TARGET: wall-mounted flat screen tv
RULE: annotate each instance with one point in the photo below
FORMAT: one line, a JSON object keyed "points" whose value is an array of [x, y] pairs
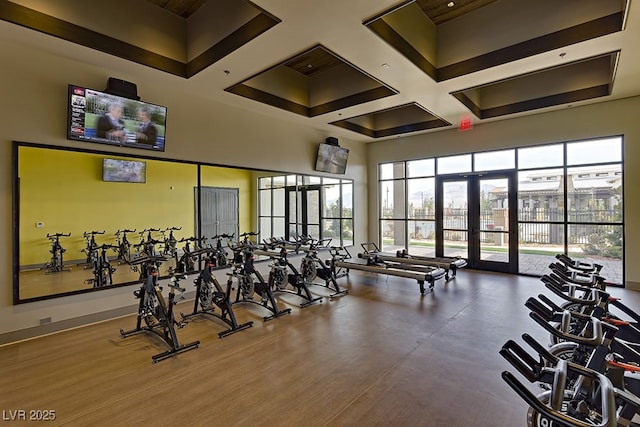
{"points": [[115, 170], [99, 117], [332, 159]]}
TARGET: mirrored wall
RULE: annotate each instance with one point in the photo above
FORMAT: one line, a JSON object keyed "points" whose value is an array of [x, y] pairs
{"points": [[68, 202]]}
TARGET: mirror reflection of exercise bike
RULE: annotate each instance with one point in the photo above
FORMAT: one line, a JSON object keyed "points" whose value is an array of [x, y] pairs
{"points": [[220, 255], [91, 248], [124, 246], [209, 295], [155, 312], [244, 272], [170, 243], [186, 262], [102, 269], [56, 265]]}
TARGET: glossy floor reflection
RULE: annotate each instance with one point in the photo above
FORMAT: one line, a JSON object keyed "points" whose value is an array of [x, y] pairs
{"points": [[381, 355]]}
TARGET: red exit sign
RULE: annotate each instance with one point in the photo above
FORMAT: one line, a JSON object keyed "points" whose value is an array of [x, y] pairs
{"points": [[465, 124]]}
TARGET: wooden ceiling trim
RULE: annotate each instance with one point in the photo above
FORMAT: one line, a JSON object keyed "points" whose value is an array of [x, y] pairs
{"points": [[314, 61], [233, 41], [35, 20], [547, 101], [351, 100], [395, 40], [183, 8], [432, 122], [438, 11], [578, 33], [269, 99]]}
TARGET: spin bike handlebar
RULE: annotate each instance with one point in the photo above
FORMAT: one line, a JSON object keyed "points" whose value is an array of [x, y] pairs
{"points": [[187, 239], [172, 228], [126, 230], [54, 236], [557, 394], [596, 338], [224, 236], [92, 233]]}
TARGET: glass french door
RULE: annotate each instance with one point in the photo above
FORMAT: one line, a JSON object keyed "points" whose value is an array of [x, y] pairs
{"points": [[476, 220], [302, 212]]}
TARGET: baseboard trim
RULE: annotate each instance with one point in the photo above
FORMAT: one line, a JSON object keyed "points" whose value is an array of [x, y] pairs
{"points": [[633, 286]]}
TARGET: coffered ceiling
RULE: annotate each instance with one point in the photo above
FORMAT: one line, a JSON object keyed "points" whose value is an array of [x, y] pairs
{"points": [[364, 69]]}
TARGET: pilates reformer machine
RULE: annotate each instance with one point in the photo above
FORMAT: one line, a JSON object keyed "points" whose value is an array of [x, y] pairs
{"points": [[449, 264], [370, 261]]}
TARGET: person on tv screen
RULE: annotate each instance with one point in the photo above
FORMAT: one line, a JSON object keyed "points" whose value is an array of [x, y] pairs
{"points": [[111, 125], [146, 132]]}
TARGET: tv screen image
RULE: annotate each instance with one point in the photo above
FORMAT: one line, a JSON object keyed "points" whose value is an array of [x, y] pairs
{"points": [[332, 159], [99, 117], [114, 170]]}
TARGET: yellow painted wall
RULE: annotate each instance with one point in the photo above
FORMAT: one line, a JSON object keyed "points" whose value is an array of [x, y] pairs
{"points": [[64, 190]]}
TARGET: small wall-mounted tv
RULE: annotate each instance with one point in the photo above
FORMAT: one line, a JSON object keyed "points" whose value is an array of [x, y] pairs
{"points": [[332, 159], [104, 118], [115, 170]]}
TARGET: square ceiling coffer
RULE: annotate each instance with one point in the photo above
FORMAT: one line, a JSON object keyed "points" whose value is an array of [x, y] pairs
{"points": [[312, 83], [572, 82], [397, 120]]}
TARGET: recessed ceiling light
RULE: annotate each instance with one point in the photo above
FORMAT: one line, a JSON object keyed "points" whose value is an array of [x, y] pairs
{"points": [[451, 4], [385, 65]]}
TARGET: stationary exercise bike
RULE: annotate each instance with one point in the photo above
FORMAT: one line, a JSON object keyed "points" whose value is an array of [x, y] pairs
{"points": [[186, 262], [156, 313], [124, 246], [102, 269], [209, 294], [56, 265], [170, 243], [91, 248], [279, 278], [147, 247], [313, 266], [244, 271], [219, 252]]}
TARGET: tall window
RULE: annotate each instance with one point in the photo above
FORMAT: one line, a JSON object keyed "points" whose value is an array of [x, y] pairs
{"points": [[569, 200], [298, 204]]}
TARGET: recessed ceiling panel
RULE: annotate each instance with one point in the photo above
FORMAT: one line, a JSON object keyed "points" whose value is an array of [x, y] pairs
{"points": [[572, 82], [314, 82], [471, 36], [393, 121], [62, 26]]}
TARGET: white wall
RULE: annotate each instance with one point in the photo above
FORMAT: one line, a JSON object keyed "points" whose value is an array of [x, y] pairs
{"points": [[34, 83], [598, 120]]}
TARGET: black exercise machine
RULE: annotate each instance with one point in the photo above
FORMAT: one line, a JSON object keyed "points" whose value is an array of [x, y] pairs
{"points": [[91, 248], [186, 262], [155, 312], [244, 271], [170, 242], [102, 269], [124, 246], [312, 266], [147, 246], [56, 265], [209, 294], [373, 264], [219, 255], [450, 264], [279, 278]]}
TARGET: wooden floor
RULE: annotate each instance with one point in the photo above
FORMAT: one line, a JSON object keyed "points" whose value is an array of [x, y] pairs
{"points": [[381, 355]]}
